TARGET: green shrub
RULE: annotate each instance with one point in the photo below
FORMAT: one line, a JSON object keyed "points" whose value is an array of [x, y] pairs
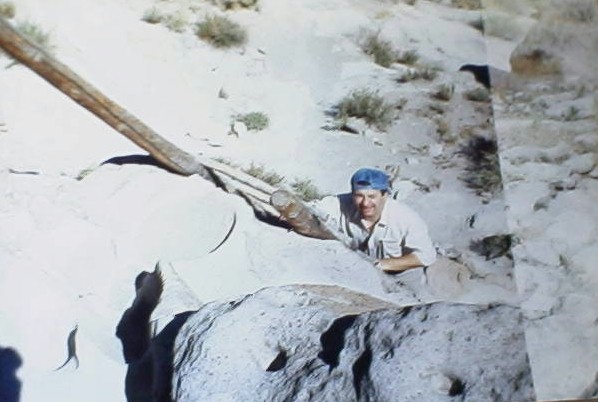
{"points": [[306, 190], [258, 171], [367, 105], [221, 32], [478, 94], [254, 121], [7, 9], [380, 50]]}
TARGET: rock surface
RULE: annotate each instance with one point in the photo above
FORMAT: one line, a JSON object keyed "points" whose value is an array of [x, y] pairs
{"points": [[325, 343]]}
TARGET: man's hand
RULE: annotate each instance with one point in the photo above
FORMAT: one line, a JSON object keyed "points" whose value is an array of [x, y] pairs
{"points": [[399, 264]]}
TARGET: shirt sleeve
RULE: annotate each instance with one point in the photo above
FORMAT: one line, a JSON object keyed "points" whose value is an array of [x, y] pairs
{"points": [[418, 240]]}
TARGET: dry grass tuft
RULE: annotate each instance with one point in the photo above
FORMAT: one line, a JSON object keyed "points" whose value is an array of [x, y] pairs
{"points": [[380, 50], [367, 105], [477, 95], [221, 32], [467, 4], [260, 172], [7, 9], [306, 190], [408, 57], [444, 92]]}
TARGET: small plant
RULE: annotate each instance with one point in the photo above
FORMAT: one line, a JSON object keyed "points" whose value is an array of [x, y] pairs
{"points": [[421, 73], [305, 189], [410, 2], [367, 105], [176, 22], [221, 32], [477, 95], [380, 50], [442, 128], [259, 172], [482, 173], [571, 114], [408, 57], [153, 16], [7, 9], [444, 92], [254, 121], [235, 4], [36, 35]]}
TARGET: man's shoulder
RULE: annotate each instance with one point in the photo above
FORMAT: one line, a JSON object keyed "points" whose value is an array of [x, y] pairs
{"points": [[399, 210]]}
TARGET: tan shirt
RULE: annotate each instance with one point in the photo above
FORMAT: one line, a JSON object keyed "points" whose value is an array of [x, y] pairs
{"points": [[400, 230]]}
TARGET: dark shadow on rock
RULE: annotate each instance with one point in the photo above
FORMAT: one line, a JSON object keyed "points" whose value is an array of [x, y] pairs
{"points": [[481, 73], [10, 385], [136, 160], [149, 358]]}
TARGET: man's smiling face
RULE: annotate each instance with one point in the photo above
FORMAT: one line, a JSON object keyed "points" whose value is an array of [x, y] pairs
{"points": [[370, 203]]}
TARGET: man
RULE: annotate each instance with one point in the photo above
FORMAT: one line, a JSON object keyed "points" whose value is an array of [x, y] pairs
{"points": [[378, 225]]}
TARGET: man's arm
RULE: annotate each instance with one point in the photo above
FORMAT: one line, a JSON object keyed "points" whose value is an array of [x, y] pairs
{"points": [[399, 264]]}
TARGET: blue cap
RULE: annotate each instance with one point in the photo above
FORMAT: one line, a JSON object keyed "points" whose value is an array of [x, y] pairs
{"points": [[369, 179]]}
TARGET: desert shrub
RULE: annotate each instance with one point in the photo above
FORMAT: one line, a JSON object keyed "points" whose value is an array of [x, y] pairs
{"points": [[533, 61], [478, 94], [444, 92], [153, 16], [235, 4], [380, 50], [306, 190], [408, 57], [367, 105], [442, 128], [35, 34], [221, 32], [7, 9], [482, 172], [254, 120], [176, 22], [260, 172], [427, 73], [571, 114], [467, 4]]}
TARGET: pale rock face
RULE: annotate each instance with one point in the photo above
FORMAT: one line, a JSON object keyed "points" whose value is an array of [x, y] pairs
{"points": [[325, 343]]}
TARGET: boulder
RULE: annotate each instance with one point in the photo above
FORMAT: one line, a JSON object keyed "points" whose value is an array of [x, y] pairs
{"points": [[326, 343]]}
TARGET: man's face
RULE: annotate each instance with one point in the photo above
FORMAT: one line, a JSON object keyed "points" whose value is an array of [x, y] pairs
{"points": [[369, 203]]}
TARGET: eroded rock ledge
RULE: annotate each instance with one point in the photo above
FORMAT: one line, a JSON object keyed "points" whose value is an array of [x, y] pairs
{"points": [[325, 343]]}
